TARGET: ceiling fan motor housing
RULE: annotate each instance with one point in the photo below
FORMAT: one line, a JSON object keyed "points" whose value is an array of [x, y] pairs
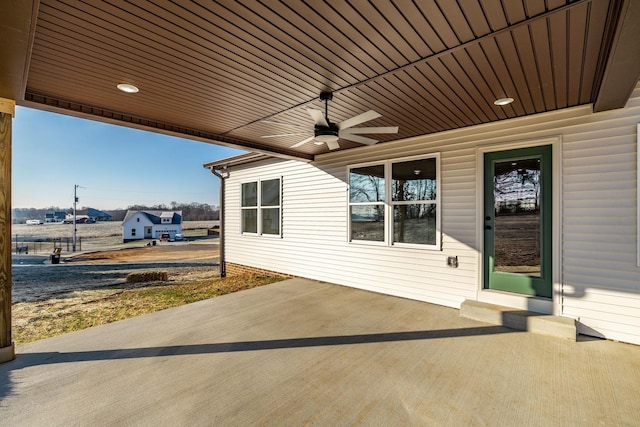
{"points": [[326, 133], [326, 96]]}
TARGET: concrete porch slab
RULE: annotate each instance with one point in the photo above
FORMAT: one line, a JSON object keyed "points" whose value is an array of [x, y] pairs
{"points": [[521, 320], [301, 352]]}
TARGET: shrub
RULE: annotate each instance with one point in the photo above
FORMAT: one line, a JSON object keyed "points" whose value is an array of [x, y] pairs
{"points": [[147, 276]]}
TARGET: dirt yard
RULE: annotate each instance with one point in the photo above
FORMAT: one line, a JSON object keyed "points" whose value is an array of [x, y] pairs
{"points": [[80, 282], [36, 279], [173, 252]]}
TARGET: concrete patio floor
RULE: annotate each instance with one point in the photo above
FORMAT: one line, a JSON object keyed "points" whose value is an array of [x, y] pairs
{"points": [[301, 352]]}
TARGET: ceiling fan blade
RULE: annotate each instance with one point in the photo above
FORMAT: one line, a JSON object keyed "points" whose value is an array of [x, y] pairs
{"points": [[318, 117], [360, 139], [333, 145], [360, 118], [311, 138], [284, 134], [380, 129]]}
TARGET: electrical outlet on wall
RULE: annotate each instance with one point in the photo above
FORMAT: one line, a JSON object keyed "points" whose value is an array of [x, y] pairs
{"points": [[452, 261]]}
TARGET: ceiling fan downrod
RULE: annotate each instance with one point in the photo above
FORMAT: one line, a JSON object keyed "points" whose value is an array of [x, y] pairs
{"points": [[326, 134], [326, 97]]}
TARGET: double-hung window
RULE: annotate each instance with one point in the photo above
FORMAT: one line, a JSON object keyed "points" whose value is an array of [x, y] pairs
{"points": [[396, 203], [261, 207]]}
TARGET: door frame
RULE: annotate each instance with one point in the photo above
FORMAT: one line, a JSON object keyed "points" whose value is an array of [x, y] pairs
{"points": [[509, 299]]}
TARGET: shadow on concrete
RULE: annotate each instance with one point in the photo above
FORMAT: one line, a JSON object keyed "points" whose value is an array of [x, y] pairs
{"points": [[47, 358], [6, 384]]}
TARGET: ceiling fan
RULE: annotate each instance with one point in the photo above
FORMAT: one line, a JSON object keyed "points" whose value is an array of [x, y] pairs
{"points": [[326, 132]]}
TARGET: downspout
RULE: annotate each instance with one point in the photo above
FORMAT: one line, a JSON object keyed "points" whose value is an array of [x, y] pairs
{"points": [[223, 268]]}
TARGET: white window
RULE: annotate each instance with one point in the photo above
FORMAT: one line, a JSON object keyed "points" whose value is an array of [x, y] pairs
{"points": [[396, 203], [261, 206]]}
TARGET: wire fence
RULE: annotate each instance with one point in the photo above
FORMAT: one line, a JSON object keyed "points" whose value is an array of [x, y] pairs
{"points": [[26, 245]]}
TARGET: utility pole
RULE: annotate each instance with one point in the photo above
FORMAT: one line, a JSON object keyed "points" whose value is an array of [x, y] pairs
{"points": [[75, 200]]}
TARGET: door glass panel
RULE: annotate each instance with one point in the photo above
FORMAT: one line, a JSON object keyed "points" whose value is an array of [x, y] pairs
{"points": [[517, 232]]}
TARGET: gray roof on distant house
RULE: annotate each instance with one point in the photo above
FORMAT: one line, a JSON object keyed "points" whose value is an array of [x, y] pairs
{"points": [[93, 212]]}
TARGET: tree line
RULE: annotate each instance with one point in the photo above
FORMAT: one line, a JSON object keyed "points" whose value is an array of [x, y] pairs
{"points": [[190, 211]]}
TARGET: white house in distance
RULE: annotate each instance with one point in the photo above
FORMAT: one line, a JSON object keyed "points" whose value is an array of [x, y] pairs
{"points": [[52, 217], [537, 213], [138, 225]]}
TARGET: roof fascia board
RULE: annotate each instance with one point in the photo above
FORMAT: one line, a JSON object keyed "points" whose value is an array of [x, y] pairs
{"points": [[236, 161], [17, 30], [101, 115], [622, 68]]}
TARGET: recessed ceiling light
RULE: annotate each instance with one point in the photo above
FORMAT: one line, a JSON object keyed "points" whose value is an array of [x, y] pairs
{"points": [[503, 101], [129, 88]]}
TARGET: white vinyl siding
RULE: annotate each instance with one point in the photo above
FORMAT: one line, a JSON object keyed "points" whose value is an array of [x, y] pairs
{"points": [[600, 277]]}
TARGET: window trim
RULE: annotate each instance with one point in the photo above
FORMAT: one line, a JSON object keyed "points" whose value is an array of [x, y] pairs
{"points": [[260, 208], [389, 204]]}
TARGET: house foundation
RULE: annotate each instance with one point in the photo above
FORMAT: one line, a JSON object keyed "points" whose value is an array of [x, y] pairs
{"points": [[238, 269]]}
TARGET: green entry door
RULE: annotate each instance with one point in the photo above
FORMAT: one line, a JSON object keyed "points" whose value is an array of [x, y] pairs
{"points": [[517, 221]]}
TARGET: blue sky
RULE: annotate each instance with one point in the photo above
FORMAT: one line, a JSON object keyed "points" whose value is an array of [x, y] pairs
{"points": [[115, 166]]}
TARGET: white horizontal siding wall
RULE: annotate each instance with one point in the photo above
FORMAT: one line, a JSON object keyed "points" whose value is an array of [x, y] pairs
{"points": [[314, 239], [138, 221], [600, 276]]}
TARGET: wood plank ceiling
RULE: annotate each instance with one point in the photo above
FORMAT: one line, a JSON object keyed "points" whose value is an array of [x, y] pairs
{"points": [[229, 71]]}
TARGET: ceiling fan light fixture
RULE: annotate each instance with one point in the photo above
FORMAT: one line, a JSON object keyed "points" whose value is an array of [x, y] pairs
{"points": [[503, 101], [326, 138], [128, 88]]}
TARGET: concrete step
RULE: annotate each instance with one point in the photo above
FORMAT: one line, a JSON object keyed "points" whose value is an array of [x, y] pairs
{"points": [[522, 320]]}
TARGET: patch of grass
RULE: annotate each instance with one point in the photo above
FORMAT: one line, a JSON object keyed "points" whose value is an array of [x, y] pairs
{"points": [[128, 303]]}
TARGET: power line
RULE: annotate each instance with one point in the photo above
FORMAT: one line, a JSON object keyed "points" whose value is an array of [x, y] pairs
{"points": [[143, 191]]}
